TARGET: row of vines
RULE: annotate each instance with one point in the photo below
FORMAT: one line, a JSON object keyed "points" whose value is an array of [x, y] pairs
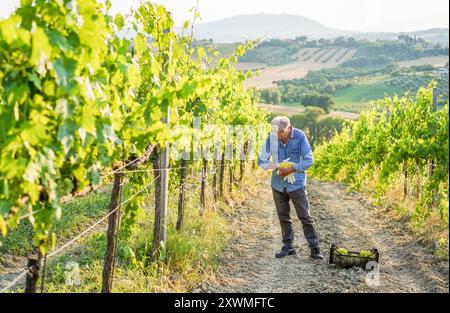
{"points": [[82, 104], [400, 141]]}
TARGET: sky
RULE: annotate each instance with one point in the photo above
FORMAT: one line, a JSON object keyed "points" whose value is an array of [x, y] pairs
{"points": [[357, 15]]}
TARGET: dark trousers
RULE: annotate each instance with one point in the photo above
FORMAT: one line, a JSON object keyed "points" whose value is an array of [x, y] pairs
{"points": [[301, 204]]}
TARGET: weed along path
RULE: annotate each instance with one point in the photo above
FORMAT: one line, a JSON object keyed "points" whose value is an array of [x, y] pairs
{"points": [[344, 218]]}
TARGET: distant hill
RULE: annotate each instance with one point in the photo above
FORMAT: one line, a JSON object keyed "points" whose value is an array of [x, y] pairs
{"points": [[434, 35], [244, 27]]}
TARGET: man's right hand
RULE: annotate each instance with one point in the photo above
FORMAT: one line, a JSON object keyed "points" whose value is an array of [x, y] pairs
{"points": [[284, 171], [272, 166]]}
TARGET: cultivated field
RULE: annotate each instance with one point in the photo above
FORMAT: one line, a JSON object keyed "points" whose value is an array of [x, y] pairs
{"points": [[439, 60], [308, 59], [291, 111], [245, 66]]}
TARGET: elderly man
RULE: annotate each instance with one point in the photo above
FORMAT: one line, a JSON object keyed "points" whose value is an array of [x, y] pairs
{"points": [[288, 143]]}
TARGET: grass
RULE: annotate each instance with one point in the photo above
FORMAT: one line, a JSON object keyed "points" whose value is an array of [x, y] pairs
{"points": [[357, 98], [191, 257], [76, 215]]}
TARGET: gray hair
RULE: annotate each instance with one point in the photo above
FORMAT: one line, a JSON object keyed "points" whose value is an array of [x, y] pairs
{"points": [[280, 122]]}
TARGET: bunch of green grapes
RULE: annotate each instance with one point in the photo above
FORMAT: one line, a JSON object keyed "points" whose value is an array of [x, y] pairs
{"points": [[367, 254], [342, 251]]}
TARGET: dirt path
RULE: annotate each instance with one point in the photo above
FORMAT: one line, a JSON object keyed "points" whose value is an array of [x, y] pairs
{"points": [[343, 218]]}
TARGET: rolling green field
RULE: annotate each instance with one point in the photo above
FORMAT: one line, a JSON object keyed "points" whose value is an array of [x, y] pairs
{"points": [[357, 98]]}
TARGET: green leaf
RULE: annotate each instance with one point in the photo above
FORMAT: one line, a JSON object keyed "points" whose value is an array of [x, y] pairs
{"points": [[13, 168], [33, 133], [140, 44], [18, 93], [201, 53], [88, 119], [66, 186], [64, 70], [119, 21], [32, 190], [35, 79], [40, 46], [3, 228], [188, 88], [133, 75], [80, 173], [5, 206], [49, 88], [8, 28], [93, 175]]}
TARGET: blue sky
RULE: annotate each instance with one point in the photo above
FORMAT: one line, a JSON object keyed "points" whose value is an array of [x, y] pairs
{"points": [[361, 15]]}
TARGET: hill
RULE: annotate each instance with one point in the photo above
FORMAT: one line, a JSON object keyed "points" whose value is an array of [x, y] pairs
{"points": [[243, 27], [284, 26]]}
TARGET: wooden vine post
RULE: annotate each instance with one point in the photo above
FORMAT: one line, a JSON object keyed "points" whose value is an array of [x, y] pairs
{"points": [[114, 215], [231, 176], [160, 226], [182, 193], [221, 175], [112, 234], [164, 158], [214, 183], [34, 265], [157, 221], [203, 186], [405, 178]]}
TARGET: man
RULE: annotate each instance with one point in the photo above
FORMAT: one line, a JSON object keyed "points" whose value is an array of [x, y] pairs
{"points": [[288, 143]]}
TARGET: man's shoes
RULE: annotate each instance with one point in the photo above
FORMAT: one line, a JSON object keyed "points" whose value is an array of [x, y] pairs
{"points": [[315, 253], [286, 250]]}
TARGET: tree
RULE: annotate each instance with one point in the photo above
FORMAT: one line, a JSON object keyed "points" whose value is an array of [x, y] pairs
{"points": [[339, 41], [276, 96], [328, 88], [324, 42], [324, 102], [311, 43], [317, 125], [301, 39], [271, 95], [351, 41]]}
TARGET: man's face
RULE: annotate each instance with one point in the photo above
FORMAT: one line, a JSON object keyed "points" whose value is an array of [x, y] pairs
{"points": [[284, 135]]}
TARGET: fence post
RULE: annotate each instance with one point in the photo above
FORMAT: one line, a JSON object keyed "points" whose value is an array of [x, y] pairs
{"points": [[164, 179], [230, 186], [157, 220], [221, 175], [111, 241], [242, 163], [160, 231], [418, 177], [181, 195], [34, 264], [405, 181], [203, 186], [214, 185]]}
